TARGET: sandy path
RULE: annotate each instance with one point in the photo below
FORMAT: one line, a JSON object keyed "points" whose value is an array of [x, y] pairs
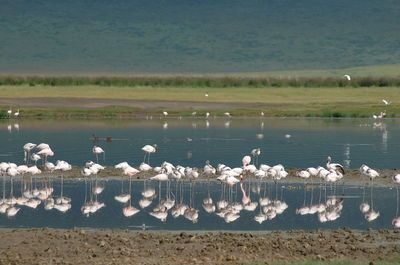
{"points": [[79, 246]]}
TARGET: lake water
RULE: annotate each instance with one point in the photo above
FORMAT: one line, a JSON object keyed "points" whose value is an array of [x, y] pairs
{"points": [[190, 142], [345, 211]]}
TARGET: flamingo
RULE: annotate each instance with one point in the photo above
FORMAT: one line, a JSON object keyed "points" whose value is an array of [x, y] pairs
{"points": [[35, 157], [334, 166], [98, 150], [396, 179], [148, 149], [245, 199], [42, 146], [145, 167], [304, 174], [256, 153], [160, 177], [46, 152], [396, 220], [209, 169], [246, 160], [27, 148]]}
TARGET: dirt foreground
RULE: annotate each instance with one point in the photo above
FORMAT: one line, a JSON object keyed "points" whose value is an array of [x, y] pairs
{"points": [[81, 246]]}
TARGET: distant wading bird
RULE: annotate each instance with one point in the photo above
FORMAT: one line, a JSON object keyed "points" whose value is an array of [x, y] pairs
{"points": [[16, 114], [347, 77]]}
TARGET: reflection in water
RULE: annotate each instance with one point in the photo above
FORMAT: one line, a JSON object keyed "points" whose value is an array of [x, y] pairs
{"points": [[396, 220], [384, 140], [382, 127], [248, 205], [259, 136], [346, 156], [369, 213], [329, 210]]}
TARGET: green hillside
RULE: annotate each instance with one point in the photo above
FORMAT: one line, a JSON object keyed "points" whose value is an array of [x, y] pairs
{"points": [[201, 36]]}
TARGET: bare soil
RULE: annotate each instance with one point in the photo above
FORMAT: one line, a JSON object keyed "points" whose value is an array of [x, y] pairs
{"points": [[81, 246]]}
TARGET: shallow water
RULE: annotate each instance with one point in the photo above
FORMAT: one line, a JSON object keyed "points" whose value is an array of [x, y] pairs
{"points": [[350, 142], [382, 200]]}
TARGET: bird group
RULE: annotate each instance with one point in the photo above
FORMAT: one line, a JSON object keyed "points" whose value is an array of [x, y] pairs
{"points": [[11, 114]]}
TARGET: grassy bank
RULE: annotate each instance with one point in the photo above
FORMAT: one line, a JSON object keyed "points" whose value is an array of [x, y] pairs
{"points": [[199, 82], [240, 101]]}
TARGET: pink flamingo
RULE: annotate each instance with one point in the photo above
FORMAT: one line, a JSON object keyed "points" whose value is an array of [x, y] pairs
{"points": [[246, 160], [245, 199]]}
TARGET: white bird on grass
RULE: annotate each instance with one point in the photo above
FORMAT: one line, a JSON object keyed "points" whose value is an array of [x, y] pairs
{"points": [[347, 77], [386, 102]]}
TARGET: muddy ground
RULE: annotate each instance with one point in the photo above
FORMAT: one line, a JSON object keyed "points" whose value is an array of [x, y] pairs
{"points": [[81, 246]]}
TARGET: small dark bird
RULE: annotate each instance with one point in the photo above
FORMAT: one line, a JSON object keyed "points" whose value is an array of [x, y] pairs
{"points": [[109, 139], [95, 138]]}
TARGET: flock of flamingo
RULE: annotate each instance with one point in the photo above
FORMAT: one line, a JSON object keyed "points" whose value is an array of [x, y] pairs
{"points": [[228, 208]]}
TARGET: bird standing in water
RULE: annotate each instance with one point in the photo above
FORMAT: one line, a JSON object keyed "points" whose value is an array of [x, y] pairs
{"points": [[98, 150]]}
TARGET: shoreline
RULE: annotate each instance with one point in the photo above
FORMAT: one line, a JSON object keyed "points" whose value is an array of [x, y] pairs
{"points": [[351, 177]]}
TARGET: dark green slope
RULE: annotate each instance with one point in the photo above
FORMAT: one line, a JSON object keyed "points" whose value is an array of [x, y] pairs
{"points": [[196, 36]]}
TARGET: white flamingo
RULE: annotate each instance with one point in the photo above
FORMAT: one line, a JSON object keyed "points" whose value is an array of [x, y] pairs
{"points": [[98, 150], [334, 166], [149, 149]]}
